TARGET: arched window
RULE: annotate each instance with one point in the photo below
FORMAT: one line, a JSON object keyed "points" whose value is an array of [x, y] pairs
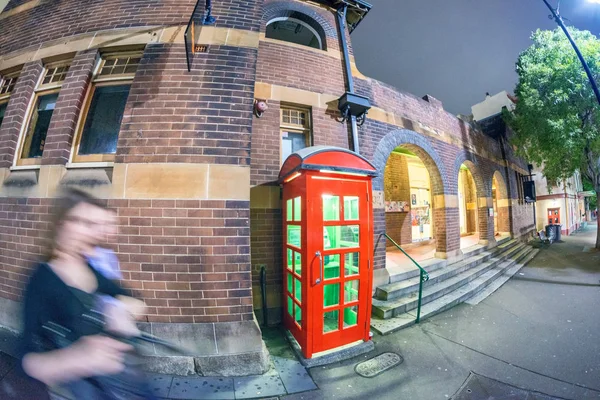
{"points": [[294, 30]]}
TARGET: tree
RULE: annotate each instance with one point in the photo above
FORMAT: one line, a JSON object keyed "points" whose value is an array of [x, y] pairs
{"points": [[555, 121]]}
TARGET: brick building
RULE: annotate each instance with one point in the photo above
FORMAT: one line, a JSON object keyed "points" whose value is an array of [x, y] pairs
{"points": [[97, 95]]}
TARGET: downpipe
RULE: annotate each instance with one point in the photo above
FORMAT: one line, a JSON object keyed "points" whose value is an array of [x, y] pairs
{"points": [[341, 17]]}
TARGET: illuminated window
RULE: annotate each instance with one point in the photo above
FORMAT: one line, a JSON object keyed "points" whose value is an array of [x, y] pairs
{"points": [[40, 114], [295, 130], [100, 122]]}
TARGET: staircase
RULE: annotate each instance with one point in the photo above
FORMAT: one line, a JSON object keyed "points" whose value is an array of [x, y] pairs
{"points": [[395, 304]]}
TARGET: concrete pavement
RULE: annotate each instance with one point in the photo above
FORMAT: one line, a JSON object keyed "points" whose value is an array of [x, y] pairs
{"points": [[540, 331]]}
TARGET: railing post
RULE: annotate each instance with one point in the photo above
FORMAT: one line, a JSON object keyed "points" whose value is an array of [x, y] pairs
{"points": [[423, 275], [420, 296]]}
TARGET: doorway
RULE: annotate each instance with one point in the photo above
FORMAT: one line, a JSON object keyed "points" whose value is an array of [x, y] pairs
{"points": [[468, 208]]}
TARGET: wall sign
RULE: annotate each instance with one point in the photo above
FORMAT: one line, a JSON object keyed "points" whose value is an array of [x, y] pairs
{"points": [[397, 206]]}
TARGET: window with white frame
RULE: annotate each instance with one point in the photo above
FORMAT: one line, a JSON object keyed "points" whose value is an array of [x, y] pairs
{"points": [[295, 130], [33, 139], [100, 122], [7, 85]]}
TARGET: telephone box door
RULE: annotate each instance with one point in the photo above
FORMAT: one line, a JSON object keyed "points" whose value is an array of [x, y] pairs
{"points": [[339, 248]]}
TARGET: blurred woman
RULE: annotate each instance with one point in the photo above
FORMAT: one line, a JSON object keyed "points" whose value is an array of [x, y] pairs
{"points": [[64, 339]]}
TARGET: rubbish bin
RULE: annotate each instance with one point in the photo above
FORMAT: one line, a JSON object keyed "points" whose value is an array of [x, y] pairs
{"points": [[553, 230], [557, 232]]}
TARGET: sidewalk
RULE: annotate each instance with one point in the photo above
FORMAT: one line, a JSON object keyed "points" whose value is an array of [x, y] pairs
{"points": [[535, 338], [287, 376]]}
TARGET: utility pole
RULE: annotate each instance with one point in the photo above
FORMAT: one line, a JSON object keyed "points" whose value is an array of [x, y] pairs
{"points": [[560, 22]]}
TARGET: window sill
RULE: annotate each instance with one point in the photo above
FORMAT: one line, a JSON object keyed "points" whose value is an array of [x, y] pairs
{"points": [[24, 167], [76, 165]]}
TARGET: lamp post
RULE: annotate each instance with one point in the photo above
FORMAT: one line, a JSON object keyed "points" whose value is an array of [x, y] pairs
{"points": [[560, 22]]}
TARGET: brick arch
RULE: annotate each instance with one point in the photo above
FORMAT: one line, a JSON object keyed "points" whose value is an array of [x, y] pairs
{"points": [[421, 147], [501, 188], [470, 160], [503, 208], [300, 12], [416, 143]]}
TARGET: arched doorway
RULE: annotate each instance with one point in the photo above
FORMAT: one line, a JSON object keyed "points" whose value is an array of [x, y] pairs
{"points": [[409, 208], [501, 206], [468, 207]]}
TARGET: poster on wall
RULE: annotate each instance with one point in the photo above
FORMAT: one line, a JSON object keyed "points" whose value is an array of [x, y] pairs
{"points": [[397, 206]]}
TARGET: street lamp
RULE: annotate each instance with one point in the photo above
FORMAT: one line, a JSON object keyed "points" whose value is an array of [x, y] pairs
{"points": [[559, 21]]}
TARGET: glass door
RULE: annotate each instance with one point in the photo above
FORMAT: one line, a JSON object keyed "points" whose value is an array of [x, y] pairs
{"points": [[294, 268], [340, 272]]}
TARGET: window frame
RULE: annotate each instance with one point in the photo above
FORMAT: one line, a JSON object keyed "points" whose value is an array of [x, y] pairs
{"points": [[291, 128], [3, 102], [20, 161], [4, 78], [321, 40], [40, 90], [99, 81]]}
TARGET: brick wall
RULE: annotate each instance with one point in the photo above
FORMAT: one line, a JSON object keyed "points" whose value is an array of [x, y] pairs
{"points": [[59, 138], [16, 112], [189, 260], [295, 67], [470, 197], [203, 116], [266, 139], [266, 146], [62, 19], [323, 18], [23, 226], [266, 239], [397, 188]]}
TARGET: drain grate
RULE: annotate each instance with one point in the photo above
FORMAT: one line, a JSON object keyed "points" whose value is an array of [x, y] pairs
{"points": [[377, 365]]}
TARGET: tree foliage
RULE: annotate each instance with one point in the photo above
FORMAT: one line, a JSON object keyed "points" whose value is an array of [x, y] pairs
{"points": [[556, 117]]}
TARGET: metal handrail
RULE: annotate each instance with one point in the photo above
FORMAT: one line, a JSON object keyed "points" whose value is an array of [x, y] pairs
{"points": [[423, 275]]}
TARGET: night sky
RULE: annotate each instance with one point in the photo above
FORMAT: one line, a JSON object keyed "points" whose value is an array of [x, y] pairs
{"points": [[456, 50]]}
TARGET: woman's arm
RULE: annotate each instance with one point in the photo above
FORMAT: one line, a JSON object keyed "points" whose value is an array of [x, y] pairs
{"points": [[89, 356]]}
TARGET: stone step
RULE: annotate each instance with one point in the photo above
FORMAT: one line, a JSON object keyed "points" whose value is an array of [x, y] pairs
{"points": [[478, 298], [404, 288], [473, 250], [434, 264], [472, 288], [390, 308], [503, 239], [430, 265]]}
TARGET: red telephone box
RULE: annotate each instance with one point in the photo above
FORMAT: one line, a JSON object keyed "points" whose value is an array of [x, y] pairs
{"points": [[327, 247]]}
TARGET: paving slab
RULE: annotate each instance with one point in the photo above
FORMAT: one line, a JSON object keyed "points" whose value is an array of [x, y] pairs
{"points": [[295, 377], [259, 386], [160, 384], [478, 387], [201, 388]]}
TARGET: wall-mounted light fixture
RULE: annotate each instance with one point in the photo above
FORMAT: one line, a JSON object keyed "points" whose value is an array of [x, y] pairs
{"points": [[260, 106], [353, 105]]}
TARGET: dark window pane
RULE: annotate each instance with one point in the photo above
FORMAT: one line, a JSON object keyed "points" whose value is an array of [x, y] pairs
{"points": [[291, 143], [294, 32], [38, 126], [2, 111], [103, 121]]}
